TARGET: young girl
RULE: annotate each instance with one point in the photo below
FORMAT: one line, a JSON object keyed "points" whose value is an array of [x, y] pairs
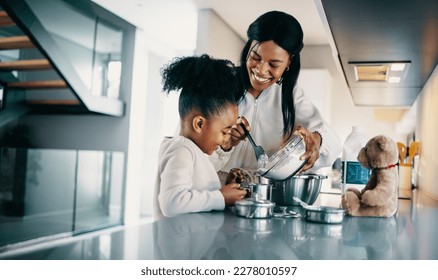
{"points": [[187, 181]]}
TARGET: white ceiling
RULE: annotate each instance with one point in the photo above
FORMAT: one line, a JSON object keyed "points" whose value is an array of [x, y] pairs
{"points": [[371, 30], [238, 14]]}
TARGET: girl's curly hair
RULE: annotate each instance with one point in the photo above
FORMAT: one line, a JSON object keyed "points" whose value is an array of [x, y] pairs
{"points": [[207, 85]]}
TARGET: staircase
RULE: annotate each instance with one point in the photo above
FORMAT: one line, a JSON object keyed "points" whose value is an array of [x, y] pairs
{"points": [[38, 74], [20, 43]]}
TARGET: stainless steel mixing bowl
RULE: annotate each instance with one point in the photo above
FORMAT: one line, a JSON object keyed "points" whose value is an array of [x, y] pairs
{"points": [[304, 186]]}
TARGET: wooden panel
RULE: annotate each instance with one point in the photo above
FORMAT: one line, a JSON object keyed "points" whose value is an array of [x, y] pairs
{"points": [[5, 20], [36, 64], [16, 42], [38, 85]]}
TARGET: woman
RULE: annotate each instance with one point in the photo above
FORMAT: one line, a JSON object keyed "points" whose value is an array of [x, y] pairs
{"points": [[273, 106]]}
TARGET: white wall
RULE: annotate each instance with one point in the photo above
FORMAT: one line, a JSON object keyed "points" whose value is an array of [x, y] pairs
{"points": [[427, 134], [136, 135], [154, 123], [216, 38], [319, 92]]}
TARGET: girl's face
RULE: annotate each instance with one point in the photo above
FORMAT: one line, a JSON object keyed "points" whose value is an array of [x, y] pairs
{"points": [[216, 130], [266, 64]]}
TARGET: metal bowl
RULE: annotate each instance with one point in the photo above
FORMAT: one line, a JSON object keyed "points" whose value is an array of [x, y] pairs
{"points": [[261, 191], [258, 187], [304, 186], [251, 208], [325, 214]]}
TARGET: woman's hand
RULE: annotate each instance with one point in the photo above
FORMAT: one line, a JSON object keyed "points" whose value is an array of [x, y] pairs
{"points": [[237, 134], [313, 142]]}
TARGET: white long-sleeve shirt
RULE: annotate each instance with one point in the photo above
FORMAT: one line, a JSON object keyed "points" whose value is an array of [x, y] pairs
{"points": [[266, 119], [186, 181]]}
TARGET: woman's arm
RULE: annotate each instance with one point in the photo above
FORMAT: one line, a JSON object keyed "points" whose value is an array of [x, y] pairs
{"points": [[329, 147]]}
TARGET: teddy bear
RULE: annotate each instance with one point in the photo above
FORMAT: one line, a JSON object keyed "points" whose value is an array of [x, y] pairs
{"points": [[379, 198]]}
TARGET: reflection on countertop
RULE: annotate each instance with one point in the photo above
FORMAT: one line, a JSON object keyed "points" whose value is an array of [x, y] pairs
{"points": [[410, 234]]}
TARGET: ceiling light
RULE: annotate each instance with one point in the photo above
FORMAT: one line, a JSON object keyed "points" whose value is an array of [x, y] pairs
{"points": [[394, 79], [371, 72], [398, 66], [384, 71]]}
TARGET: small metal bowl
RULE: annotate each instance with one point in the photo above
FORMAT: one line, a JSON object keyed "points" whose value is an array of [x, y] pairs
{"points": [[251, 208], [261, 191], [325, 214]]}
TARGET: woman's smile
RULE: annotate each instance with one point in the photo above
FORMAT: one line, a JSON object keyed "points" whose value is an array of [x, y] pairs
{"points": [[258, 78]]}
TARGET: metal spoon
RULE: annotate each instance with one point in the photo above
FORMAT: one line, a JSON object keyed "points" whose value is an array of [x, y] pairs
{"points": [[305, 205], [258, 150], [256, 210], [286, 214]]}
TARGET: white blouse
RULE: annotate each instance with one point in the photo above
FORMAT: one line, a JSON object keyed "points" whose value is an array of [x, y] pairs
{"points": [[186, 180], [266, 120]]}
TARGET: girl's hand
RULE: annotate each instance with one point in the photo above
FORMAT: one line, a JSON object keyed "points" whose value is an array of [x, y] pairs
{"points": [[238, 175], [232, 193], [237, 134], [313, 142], [233, 176]]}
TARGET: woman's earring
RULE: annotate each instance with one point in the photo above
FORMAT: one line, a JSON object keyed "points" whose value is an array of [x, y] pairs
{"points": [[281, 79]]}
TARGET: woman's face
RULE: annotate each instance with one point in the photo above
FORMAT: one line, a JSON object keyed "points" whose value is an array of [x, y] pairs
{"points": [[217, 129], [265, 64]]}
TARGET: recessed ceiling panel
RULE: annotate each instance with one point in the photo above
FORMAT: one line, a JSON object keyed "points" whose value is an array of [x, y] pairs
{"points": [[384, 31]]}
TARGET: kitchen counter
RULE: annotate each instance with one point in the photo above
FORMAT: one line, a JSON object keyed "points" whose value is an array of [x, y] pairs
{"points": [[411, 234]]}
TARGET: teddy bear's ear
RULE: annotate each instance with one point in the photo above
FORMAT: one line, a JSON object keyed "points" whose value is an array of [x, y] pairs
{"points": [[382, 142]]}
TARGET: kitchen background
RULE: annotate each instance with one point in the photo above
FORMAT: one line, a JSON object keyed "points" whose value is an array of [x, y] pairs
{"points": [[115, 153]]}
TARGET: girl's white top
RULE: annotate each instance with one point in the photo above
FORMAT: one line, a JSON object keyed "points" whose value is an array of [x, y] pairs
{"points": [[186, 181]]}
